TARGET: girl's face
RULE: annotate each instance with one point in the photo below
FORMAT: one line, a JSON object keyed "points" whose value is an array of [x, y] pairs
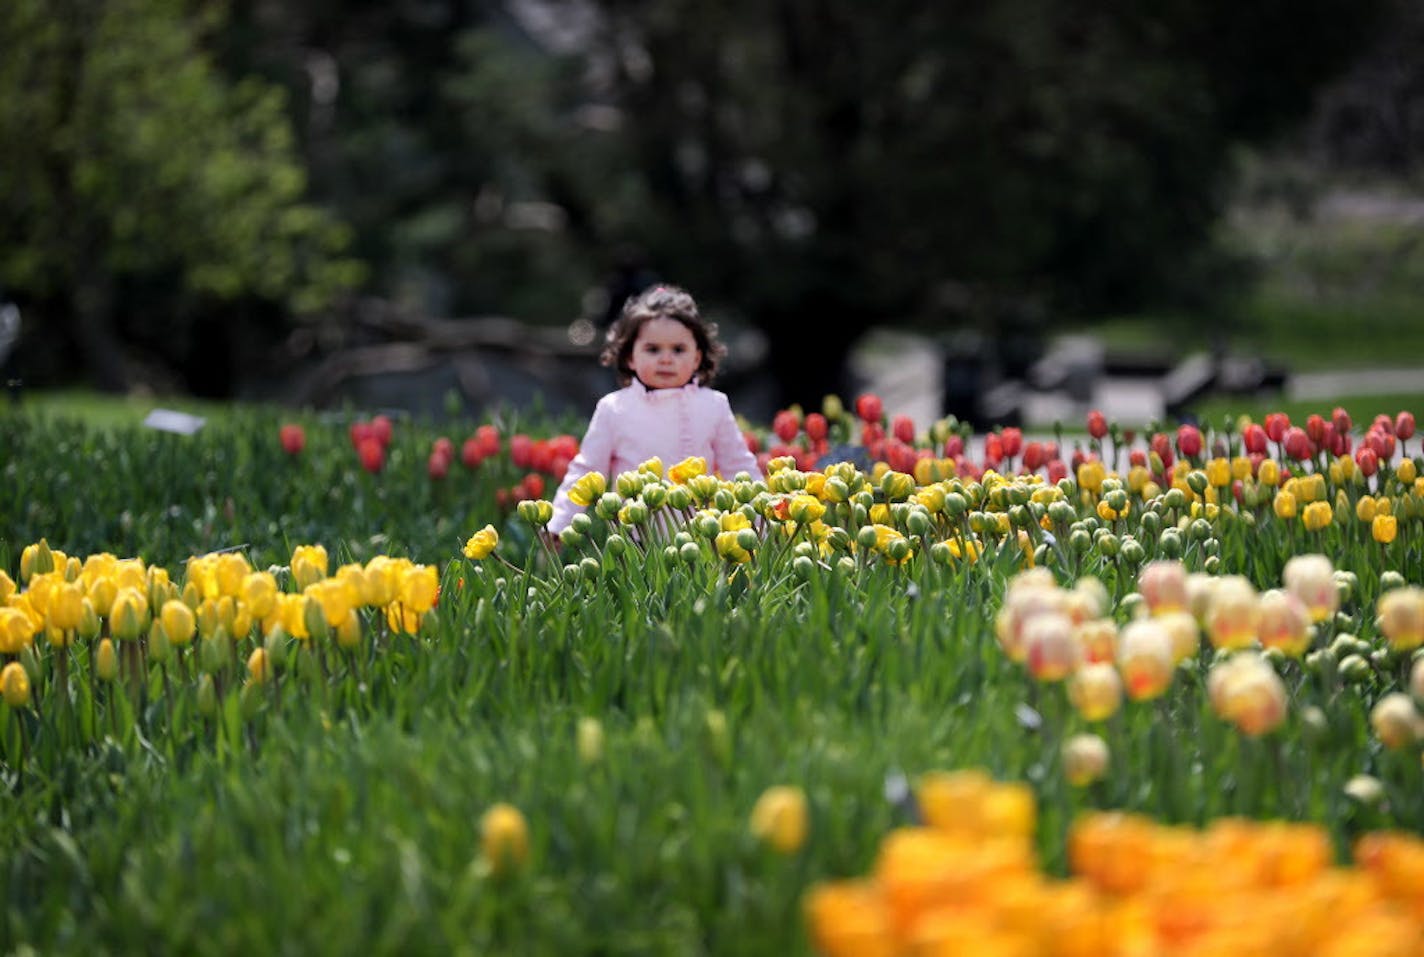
{"points": [[665, 354]]}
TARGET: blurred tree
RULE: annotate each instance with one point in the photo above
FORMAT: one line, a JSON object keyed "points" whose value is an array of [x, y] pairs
{"points": [[130, 159], [448, 138], [826, 165]]}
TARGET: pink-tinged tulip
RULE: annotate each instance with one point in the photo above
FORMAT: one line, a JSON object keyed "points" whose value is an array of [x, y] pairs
{"points": [[1085, 759], [1163, 585], [1052, 650], [1233, 613], [1404, 425], [1163, 447], [870, 408], [1400, 614], [1057, 470], [293, 439], [1366, 460], [1096, 691], [1382, 442], [1284, 623], [488, 439], [1144, 659], [903, 428], [438, 466], [1311, 578], [1097, 424], [1253, 439], [1396, 721], [1341, 420], [1382, 421], [1097, 640], [954, 446], [1277, 424], [1246, 691]]}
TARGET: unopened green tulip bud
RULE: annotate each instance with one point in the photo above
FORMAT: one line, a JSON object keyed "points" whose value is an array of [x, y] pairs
{"points": [[690, 553], [1061, 513], [1200, 530], [1320, 661], [1132, 551], [1133, 605], [1043, 555], [898, 550], [615, 545], [706, 526], [746, 492], [956, 504], [250, 700], [670, 552], [629, 484], [589, 568], [1019, 517], [836, 490], [160, 649], [865, 538], [1355, 669], [747, 540], [277, 644], [214, 652], [940, 553], [838, 538], [1068, 487], [1174, 497], [207, 696], [724, 500], [1212, 546], [655, 495], [1170, 544], [918, 523], [805, 548], [1108, 544], [682, 538], [845, 565], [570, 573], [1197, 482], [607, 506], [679, 497], [1391, 579], [859, 514], [571, 537], [1080, 542], [89, 624], [804, 567], [581, 523], [314, 617], [1212, 565]]}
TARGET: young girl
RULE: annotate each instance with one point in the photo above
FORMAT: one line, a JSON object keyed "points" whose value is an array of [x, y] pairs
{"points": [[664, 355]]}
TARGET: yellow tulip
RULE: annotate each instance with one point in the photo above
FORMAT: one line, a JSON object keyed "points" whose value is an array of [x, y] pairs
{"points": [[1096, 691], [259, 666], [504, 839], [1085, 759], [1218, 472], [335, 599], [587, 489], [419, 587], [686, 469], [309, 564], [1284, 503], [128, 614], [1269, 473], [1406, 471], [1384, 528], [106, 661], [1317, 515], [178, 622], [258, 592], [779, 818], [15, 685]]}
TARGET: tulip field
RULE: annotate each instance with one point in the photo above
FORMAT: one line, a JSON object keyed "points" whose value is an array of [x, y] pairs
{"points": [[303, 683]]}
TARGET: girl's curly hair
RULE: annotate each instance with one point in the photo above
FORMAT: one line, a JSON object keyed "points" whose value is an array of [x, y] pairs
{"points": [[661, 302]]}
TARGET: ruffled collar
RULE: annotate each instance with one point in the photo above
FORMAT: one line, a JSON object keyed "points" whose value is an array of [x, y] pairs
{"points": [[660, 395]]}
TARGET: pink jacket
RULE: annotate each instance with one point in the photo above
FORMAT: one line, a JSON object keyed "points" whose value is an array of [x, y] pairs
{"points": [[636, 423]]}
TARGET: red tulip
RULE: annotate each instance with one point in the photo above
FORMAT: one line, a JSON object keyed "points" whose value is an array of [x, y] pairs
{"points": [[903, 428], [1012, 439], [816, 427], [1404, 425], [1163, 447], [1097, 424], [438, 466], [954, 446], [1382, 421], [1315, 428], [869, 408], [993, 450], [1276, 425], [786, 424], [360, 432], [372, 454], [1382, 442], [1189, 441], [487, 436], [1033, 456], [1297, 444], [1341, 420], [444, 446], [521, 450], [381, 429], [293, 439], [1057, 470], [532, 486], [1253, 439], [1137, 458], [753, 444], [1367, 460], [470, 455]]}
